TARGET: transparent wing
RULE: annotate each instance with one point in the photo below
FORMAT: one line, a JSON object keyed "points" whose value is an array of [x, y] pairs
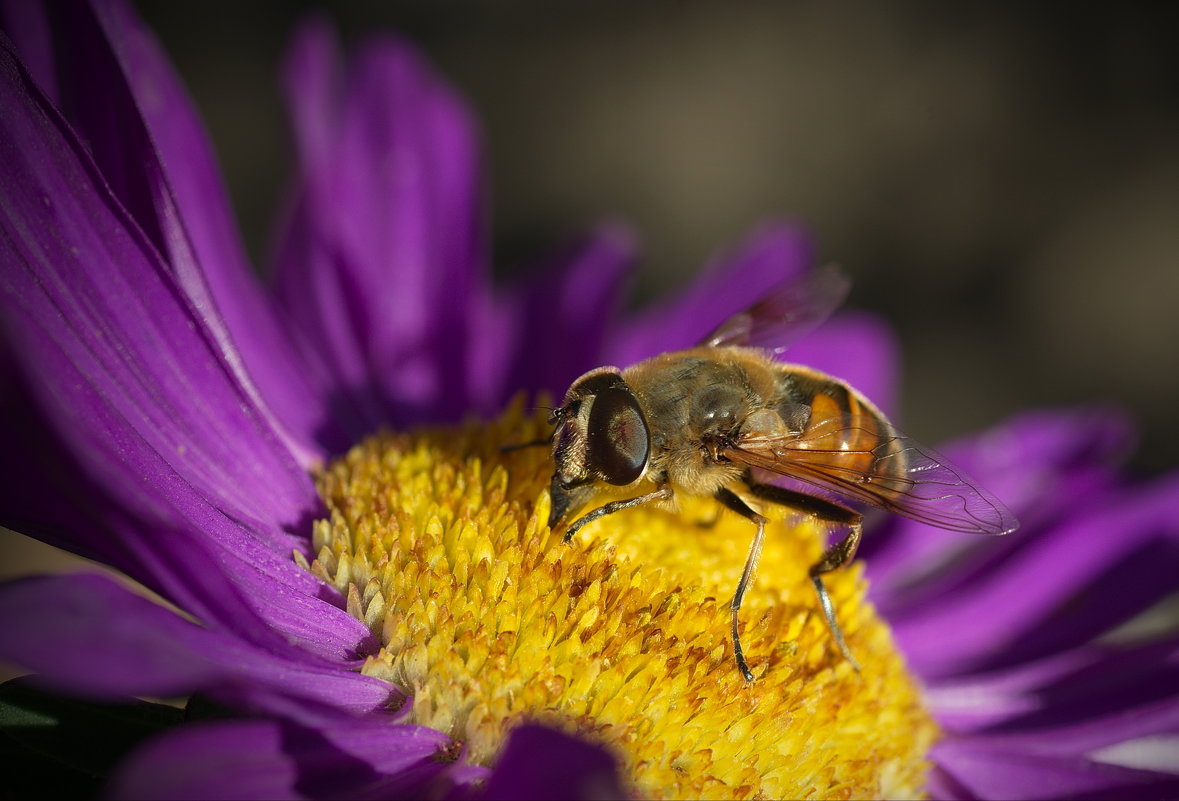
{"points": [[786, 314], [896, 473]]}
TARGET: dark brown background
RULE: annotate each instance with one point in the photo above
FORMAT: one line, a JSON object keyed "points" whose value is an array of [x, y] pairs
{"points": [[1001, 180]]}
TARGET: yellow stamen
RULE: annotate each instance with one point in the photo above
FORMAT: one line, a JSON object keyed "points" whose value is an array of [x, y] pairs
{"points": [[439, 541]]}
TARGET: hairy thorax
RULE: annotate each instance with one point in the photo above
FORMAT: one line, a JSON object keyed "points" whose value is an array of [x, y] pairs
{"points": [[697, 403]]}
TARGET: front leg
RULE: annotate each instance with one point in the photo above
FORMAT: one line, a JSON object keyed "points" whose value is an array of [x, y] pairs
{"points": [[836, 555], [660, 494]]}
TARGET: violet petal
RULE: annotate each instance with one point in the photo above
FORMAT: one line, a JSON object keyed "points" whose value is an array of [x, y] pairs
{"points": [[854, 347], [731, 282], [101, 329], [128, 107], [383, 250], [356, 758], [1041, 464], [1067, 689], [286, 382], [174, 543], [538, 762], [27, 24], [133, 647], [1126, 693], [998, 772], [561, 318], [1003, 607]]}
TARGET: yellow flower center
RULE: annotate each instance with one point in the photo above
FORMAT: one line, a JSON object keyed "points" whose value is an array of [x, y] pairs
{"points": [[439, 539]]}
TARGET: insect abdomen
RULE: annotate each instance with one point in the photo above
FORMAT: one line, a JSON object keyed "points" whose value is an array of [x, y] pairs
{"points": [[846, 434]]}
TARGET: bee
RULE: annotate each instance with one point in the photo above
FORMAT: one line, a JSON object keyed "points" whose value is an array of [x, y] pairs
{"points": [[716, 419]]}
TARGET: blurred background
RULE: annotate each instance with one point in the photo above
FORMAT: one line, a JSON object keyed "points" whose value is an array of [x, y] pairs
{"points": [[1001, 180]]}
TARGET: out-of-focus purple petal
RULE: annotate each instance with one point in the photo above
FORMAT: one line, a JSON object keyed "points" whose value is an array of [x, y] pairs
{"points": [[83, 634], [1125, 693], [855, 347], [562, 317], [731, 283], [270, 759], [860, 349], [495, 322], [941, 785], [1041, 464], [313, 79], [1002, 609], [381, 255], [27, 24], [1130, 585], [539, 762], [105, 336], [994, 771], [1082, 698], [1040, 460]]}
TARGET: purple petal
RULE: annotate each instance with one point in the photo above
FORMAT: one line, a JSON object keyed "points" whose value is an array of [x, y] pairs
{"points": [[313, 79], [47, 498], [997, 612], [106, 338], [731, 283], [203, 231], [860, 349], [201, 561], [561, 319], [1122, 695], [98, 100], [383, 251], [1092, 697], [853, 346], [539, 762], [998, 772], [133, 647], [126, 376], [1039, 463], [188, 553], [27, 25], [360, 758], [53, 498], [92, 94]]}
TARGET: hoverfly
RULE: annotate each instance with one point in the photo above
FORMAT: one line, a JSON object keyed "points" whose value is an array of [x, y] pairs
{"points": [[702, 421]]}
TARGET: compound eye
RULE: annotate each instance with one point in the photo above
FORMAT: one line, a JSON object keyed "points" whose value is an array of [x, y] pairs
{"points": [[618, 438]]}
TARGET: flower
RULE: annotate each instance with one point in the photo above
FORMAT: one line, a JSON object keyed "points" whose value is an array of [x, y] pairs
{"points": [[183, 423]]}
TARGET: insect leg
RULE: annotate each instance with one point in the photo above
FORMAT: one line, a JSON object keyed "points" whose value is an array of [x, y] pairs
{"points": [[661, 494], [836, 555], [733, 502]]}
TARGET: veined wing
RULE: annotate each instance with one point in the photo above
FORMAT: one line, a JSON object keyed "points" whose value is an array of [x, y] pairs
{"points": [[870, 461], [789, 312]]}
